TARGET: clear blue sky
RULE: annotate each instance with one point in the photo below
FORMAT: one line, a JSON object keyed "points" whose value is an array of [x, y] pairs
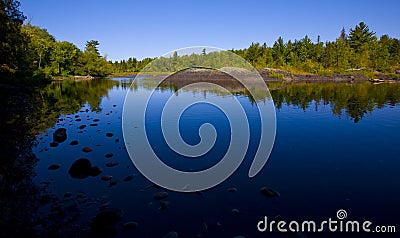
{"points": [[127, 28]]}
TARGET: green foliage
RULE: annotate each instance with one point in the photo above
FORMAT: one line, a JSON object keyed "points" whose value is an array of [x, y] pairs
{"points": [[40, 45], [12, 40], [325, 72], [92, 63], [361, 36], [356, 51], [91, 48], [214, 60], [63, 58], [359, 50], [28, 51], [33, 53], [276, 75]]}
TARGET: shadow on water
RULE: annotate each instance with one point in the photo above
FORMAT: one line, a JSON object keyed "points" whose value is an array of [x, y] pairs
{"points": [[26, 112]]}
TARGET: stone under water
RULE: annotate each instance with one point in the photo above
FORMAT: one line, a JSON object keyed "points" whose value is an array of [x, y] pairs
{"points": [[87, 149], [60, 135], [269, 192], [82, 168], [54, 166], [160, 195]]}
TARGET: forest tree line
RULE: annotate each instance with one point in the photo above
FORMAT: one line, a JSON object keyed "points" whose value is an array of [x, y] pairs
{"points": [[29, 51], [359, 50]]}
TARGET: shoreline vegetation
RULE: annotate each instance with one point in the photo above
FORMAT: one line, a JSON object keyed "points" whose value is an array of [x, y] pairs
{"points": [[277, 75], [30, 54]]}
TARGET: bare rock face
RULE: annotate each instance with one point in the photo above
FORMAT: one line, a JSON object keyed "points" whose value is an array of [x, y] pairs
{"points": [[60, 135]]}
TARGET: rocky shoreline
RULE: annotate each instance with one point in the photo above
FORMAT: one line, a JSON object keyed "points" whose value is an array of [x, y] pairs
{"points": [[269, 75], [335, 78], [77, 78]]}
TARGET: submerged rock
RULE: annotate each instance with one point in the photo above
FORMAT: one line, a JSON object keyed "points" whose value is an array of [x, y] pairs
{"points": [[235, 211], [232, 190], [153, 186], [68, 194], [109, 134], [130, 225], [104, 222], [106, 177], [87, 149], [104, 206], [128, 178], [46, 199], [160, 195], [80, 169], [269, 192], [53, 144], [163, 205], [60, 135], [95, 171], [171, 234], [54, 166], [109, 155], [113, 182], [112, 164], [74, 142]]}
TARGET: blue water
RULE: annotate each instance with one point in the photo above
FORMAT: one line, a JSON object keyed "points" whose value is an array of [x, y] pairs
{"points": [[320, 163]]}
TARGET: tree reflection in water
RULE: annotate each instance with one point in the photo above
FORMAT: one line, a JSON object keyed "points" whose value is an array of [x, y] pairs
{"points": [[26, 112]]}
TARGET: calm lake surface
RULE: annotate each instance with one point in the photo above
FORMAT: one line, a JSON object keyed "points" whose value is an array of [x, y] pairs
{"points": [[337, 147]]}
